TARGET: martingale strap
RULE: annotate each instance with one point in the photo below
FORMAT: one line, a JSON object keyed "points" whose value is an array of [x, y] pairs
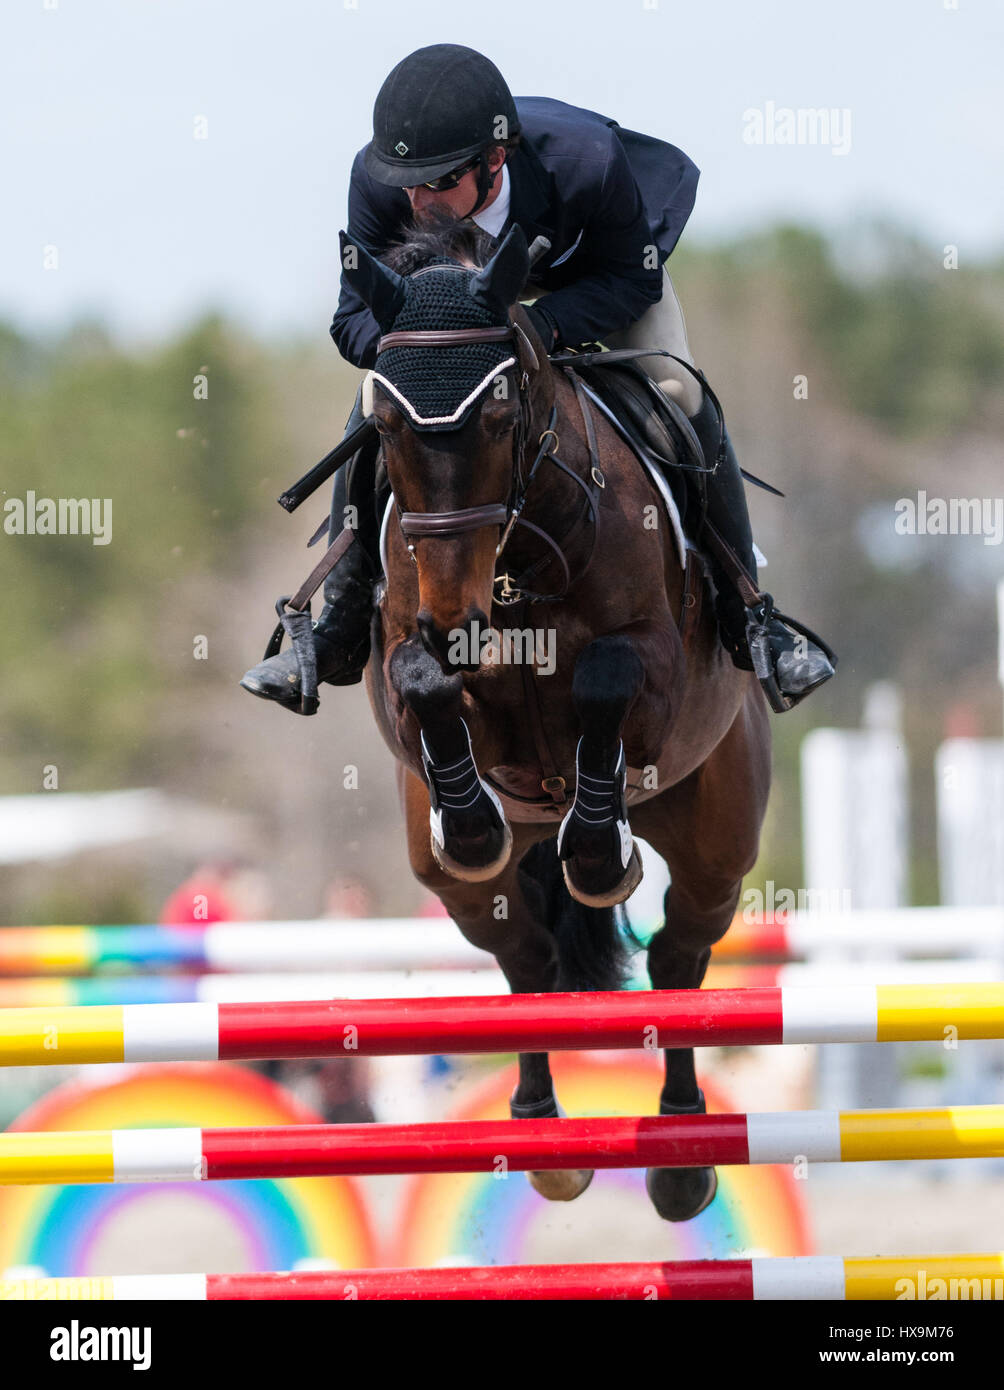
{"points": [[551, 780], [514, 589]]}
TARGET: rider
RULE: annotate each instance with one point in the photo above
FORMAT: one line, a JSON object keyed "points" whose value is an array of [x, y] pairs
{"points": [[448, 134]]}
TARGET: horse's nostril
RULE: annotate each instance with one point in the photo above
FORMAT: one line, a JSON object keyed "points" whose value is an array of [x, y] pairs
{"points": [[432, 637], [457, 648]]}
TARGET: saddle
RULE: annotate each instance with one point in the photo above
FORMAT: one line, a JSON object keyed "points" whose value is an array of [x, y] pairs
{"points": [[654, 426], [660, 433]]}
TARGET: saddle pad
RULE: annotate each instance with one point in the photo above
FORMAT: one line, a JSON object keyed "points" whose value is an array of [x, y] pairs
{"points": [[669, 482]]}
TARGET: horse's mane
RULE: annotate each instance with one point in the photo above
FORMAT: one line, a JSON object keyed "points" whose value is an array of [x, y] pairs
{"points": [[440, 236]]}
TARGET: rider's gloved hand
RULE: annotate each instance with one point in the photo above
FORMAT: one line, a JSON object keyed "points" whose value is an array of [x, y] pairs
{"points": [[547, 329]]}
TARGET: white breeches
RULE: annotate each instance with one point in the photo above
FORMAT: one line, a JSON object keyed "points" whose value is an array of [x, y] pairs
{"points": [[663, 326]]}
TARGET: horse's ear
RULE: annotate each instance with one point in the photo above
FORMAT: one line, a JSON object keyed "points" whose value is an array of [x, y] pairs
{"points": [[502, 279], [381, 288]]}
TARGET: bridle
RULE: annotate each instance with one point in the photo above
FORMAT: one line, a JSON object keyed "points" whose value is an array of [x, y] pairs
{"points": [[507, 515], [419, 525]]}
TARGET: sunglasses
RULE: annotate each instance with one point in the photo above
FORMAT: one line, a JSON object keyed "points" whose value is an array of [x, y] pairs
{"points": [[447, 181]]}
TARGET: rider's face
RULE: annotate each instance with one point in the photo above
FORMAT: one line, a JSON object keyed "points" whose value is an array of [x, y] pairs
{"points": [[459, 200]]}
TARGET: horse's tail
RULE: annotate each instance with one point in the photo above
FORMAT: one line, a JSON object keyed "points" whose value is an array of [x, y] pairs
{"points": [[592, 942]]}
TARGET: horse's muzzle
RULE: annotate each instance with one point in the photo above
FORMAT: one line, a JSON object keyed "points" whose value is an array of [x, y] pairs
{"points": [[457, 648]]}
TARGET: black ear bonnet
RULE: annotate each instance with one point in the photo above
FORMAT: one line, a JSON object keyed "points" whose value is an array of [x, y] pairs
{"points": [[438, 387]]}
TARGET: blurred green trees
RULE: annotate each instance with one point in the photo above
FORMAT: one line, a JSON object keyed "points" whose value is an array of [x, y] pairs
{"points": [[172, 437]]}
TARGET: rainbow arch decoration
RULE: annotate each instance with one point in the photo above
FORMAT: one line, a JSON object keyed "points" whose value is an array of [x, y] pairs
{"points": [[482, 1219], [273, 1224]]}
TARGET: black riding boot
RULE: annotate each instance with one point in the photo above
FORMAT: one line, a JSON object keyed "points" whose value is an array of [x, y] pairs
{"points": [[792, 662], [342, 631]]}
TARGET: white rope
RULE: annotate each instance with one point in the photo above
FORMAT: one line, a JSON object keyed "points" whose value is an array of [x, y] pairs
{"points": [[444, 419]]}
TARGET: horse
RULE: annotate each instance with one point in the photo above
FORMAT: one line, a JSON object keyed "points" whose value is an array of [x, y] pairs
{"points": [[523, 781]]}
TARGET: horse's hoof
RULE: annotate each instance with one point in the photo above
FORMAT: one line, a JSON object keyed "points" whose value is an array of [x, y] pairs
{"points": [[680, 1194], [558, 1184], [621, 890], [473, 873], [561, 1184]]}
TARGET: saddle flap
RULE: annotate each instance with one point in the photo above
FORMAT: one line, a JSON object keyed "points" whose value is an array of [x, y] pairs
{"points": [[628, 395], [654, 418]]}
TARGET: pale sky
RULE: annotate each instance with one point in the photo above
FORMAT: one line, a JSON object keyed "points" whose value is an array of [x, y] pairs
{"points": [[99, 100]]}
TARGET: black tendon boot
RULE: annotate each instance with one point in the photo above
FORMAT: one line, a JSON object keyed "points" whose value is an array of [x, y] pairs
{"points": [[342, 631], [790, 661]]}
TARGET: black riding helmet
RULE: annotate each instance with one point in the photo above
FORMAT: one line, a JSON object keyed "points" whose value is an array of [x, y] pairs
{"points": [[441, 106]]}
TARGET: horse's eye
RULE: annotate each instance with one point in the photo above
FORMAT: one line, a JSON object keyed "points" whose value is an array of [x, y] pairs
{"points": [[498, 417]]}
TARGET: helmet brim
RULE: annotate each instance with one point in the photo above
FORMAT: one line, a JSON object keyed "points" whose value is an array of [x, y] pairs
{"points": [[403, 173]]}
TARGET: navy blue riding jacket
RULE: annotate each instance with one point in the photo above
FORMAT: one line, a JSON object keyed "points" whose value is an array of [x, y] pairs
{"points": [[602, 195]]}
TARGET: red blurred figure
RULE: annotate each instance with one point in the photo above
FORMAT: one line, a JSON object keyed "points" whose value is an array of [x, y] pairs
{"points": [[218, 890], [196, 902]]}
